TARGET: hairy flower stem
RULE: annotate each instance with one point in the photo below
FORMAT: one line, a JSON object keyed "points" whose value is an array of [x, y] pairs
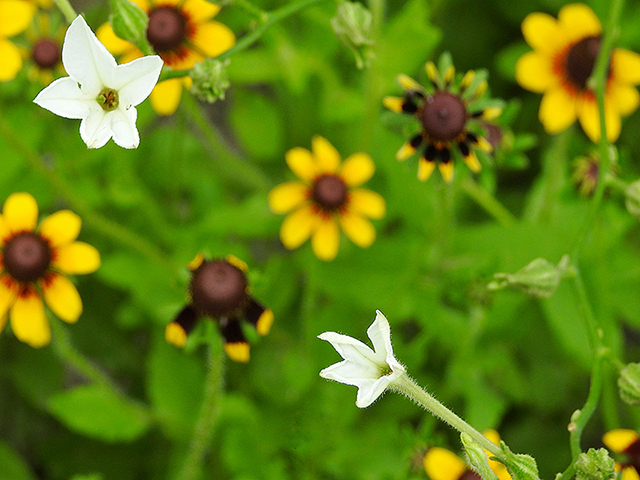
{"points": [[411, 389]]}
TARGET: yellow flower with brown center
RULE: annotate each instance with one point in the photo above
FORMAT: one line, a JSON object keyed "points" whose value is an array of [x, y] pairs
{"points": [[446, 113], [34, 262], [45, 54], [627, 443], [562, 61], [326, 199], [183, 33], [15, 17], [219, 289]]}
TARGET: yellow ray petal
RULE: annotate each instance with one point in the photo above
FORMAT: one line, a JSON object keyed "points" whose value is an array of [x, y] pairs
{"points": [[366, 202], [287, 196], [432, 72], [359, 230], [578, 21], [301, 162], [213, 38], [10, 60], [236, 262], [543, 33], [624, 97], [393, 103], [491, 113], [165, 96], [175, 334], [356, 169], [326, 239], [472, 161], [630, 473], [557, 110], [625, 66], [589, 117], [467, 79], [16, 16], [200, 10], [238, 351], [326, 156], [425, 169], [63, 298], [446, 169], [196, 262], [61, 228], [8, 294], [20, 212], [441, 464], [28, 320], [620, 439], [409, 84], [77, 258], [297, 227], [263, 325], [405, 151], [185, 60], [114, 44]]}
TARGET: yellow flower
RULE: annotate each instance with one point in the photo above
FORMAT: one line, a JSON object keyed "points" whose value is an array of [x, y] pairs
{"points": [[34, 263], [626, 442], [219, 289], [182, 33], [15, 17], [563, 57], [445, 113], [45, 54], [327, 197]]}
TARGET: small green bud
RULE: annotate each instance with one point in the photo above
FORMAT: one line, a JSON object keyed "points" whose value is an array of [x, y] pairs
{"points": [[352, 25], [539, 278], [130, 22], [477, 457], [632, 200], [519, 466], [210, 80], [629, 384], [595, 465]]}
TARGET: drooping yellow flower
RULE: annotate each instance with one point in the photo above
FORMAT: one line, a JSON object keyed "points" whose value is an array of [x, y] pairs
{"points": [[563, 58], [15, 17], [34, 262], [626, 442], [326, 199], [183, 33]]}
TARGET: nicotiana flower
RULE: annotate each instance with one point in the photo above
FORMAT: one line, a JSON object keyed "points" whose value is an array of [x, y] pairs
{"points": [[372, 371], [447, 112], [98, 90], [15, 18], [183, 33], [34, 263], [327, 197], [219, 289], [627, 443], [563, 58]]}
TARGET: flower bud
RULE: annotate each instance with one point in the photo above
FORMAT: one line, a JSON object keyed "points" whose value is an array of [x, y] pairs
{"points": [[352, 25], [520, 466], [130, 22], [595, 465], [629, 384], [632, 201], [210, 80], [477, 457]]}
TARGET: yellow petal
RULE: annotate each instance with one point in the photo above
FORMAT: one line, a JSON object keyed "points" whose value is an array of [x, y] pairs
{"points": [[359, 230], [63, 298], [238, 352], [114, 44], [393, 103], [287, 196], [213, 38], [357, 169], [578, 21], [557, 110], [175, 334], [446, 169], [326, 239], [144, 4], [630, 473], [624, 97], [297, 227], [20, 212], [77, 258], [200, 10], [625, 66], [16, 16], [409, 84], [405, 151], [263, 325], [184, 60], [8, 294], [542, 32], [472, 161], [61, 227], [10, 60], [441, 464], [425, 169], [300, 161], [165, 96], [590, 119], [366, 202], [326, 156], [29, 322], [620, 439], [534, 72]]}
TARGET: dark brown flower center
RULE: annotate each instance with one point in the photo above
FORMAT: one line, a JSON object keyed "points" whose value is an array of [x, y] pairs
{"points": [[27, 256], [444, 116], [329, 192], [46, 53], [581, 58], [218, 288], [167, 28]]}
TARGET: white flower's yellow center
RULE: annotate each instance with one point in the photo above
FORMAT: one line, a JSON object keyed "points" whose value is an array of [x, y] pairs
{"points": [[108, 99]]}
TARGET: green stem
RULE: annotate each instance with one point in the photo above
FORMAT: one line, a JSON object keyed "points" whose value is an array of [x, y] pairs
{"points": [[411, 389], [487, 201], [249, 7], [209, 412], [67, 10]]}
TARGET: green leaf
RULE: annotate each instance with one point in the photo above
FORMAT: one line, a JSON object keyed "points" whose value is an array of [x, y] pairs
{"points": [[12, 466], [130, 22], [97, 412]]}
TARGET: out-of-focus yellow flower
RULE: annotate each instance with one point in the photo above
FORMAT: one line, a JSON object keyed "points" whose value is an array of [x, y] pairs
{"points": [[15, 17], [626, 442]]}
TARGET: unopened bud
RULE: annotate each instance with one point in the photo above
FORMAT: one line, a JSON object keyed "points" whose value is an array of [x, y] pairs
{"points": [[130, 22], [519, 466], [352, 25], [629, 384], [477, 457], [632, 194], [595, 465], [210, 80]]}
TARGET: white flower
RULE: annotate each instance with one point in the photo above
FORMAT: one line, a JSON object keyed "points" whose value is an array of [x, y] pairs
{"points": [[372, 371], [98, 90]]}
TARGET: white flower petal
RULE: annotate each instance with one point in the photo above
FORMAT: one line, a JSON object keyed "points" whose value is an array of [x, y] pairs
{"points": [[95, 129], [85, 59], [135, 80], [370, 393], [64, 98], [123, 125]]}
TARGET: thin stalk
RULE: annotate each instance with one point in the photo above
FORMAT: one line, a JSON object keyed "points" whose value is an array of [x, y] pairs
{"points": [[67, 10], [487, 201]]}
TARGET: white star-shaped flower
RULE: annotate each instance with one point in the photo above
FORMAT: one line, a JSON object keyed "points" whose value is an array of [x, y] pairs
{"points": [[372, 371], [98, 90]]}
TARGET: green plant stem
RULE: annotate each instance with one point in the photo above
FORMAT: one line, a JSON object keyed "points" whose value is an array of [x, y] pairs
{"points": [[487, 201], [249, 7], [209, 412], [67, 10], [411, 389]]}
